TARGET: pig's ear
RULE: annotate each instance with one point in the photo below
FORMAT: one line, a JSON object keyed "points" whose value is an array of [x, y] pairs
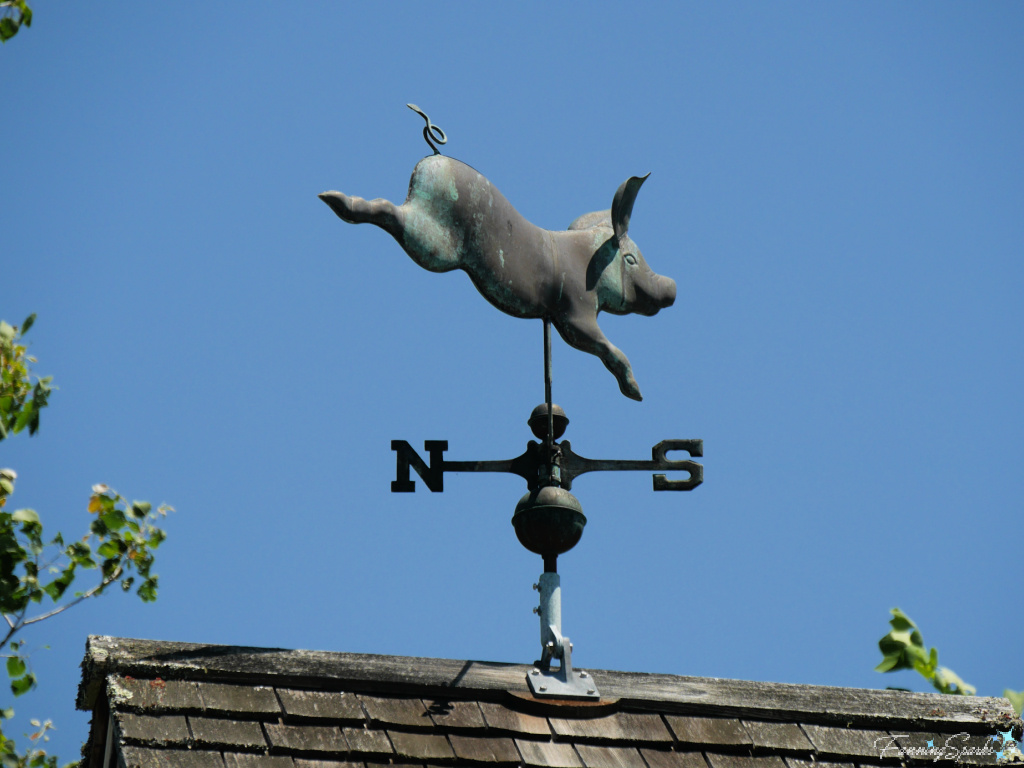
{"points": [[622, 204]]}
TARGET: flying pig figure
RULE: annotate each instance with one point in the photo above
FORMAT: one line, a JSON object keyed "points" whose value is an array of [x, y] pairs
{"points": [[454, 218]]}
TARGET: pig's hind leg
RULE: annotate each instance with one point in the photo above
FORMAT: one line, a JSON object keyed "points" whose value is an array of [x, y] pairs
{"points": [[585, 335], [356, 210], [430, 244]]}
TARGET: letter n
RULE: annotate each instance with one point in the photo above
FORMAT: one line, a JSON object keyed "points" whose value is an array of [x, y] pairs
{"points": [[432, 475]]}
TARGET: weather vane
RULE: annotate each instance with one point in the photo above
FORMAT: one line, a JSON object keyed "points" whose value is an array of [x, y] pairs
{"points": [[454, 218]]}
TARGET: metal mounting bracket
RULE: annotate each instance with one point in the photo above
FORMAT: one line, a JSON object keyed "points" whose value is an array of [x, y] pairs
{"points": [[563, 682]]}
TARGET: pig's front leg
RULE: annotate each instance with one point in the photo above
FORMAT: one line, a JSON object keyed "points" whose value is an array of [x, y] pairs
{"points": [[585, 335], [356, 210]]}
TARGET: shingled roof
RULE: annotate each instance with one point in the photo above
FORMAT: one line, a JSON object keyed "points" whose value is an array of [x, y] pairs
{"points": [[180, 705]]}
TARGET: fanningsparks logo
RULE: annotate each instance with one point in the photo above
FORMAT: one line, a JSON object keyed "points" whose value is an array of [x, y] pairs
{"points": [[956, 747]]}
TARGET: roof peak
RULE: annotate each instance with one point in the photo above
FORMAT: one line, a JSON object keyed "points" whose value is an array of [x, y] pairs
{"points": [[506, 683]]}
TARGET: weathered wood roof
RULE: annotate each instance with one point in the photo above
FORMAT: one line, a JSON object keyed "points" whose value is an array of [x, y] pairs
{"points": [[186, 705]]}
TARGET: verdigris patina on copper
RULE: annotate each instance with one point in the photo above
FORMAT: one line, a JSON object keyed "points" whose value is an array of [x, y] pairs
{"points": [[454, 218]]}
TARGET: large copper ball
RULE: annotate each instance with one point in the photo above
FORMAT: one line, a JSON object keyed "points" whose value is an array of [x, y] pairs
{"points": [[549, 521]]}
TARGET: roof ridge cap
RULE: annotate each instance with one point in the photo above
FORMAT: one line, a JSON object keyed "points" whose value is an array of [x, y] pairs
{"points": [[483, 680]]}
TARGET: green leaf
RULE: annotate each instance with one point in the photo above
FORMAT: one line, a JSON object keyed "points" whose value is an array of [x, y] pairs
{"points": [[148, 590], [900, 622], [85, 561], [888, 663], [8, 29], [25, 516], [141, 508], [7, 714], [903, 638], [109, 549], [30, 320], [947, 681], [56, 588], [917, 655], [80, 553], [903, 647], [894, 661], [24, 417], [114, 520], [23, 684], [7, 485], [15, 666]]}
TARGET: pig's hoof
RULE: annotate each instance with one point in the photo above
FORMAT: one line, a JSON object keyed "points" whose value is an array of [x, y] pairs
{"points": [[339, 203], [630, 389]]}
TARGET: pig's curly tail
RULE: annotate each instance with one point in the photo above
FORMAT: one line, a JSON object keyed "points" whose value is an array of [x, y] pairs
{"points": [[431, 133]]}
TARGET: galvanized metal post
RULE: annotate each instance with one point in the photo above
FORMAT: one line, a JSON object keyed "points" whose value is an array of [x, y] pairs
{"points": [[563, 682], [550, 586]]}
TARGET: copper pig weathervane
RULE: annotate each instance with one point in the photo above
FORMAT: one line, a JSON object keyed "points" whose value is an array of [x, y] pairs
{"points": [[454, 218]]}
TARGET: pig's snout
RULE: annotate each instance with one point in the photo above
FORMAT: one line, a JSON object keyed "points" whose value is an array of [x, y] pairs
{"points": [[658, 293], [667, 291]]}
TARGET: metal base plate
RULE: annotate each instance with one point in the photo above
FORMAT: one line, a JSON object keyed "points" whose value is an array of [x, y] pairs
{"points": [[551, 684]]}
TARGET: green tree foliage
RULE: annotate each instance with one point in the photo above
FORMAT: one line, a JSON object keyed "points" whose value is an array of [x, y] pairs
{"points": [[37, 571], [904, 648], [14, 14], [21, 400]]}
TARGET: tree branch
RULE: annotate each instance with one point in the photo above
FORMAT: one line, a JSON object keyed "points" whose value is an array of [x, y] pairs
{"points": [[84, 596], [15, 626]]}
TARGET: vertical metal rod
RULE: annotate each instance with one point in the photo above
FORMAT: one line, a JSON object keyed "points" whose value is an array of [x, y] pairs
{"points": [[547, 385], [550, 561]]}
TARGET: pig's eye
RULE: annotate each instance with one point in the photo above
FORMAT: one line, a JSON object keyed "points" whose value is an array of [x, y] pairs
{"points": [[631, 259]]}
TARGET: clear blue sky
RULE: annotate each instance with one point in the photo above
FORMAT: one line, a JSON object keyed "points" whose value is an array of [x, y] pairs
{"points": [[836, 188]]}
